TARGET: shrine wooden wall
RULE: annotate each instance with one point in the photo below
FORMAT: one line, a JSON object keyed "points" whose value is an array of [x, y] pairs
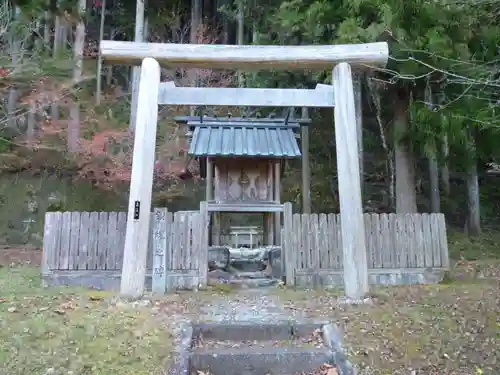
{"points": [[243, 180]]}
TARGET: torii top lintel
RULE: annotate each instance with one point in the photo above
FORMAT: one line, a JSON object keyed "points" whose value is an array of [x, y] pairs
{"points": [[247, 57]]}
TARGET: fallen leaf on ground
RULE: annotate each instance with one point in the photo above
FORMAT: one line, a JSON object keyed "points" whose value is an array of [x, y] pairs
{"points": [[67, 305]]}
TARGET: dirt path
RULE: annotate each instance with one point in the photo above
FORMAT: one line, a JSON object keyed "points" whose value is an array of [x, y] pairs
{"points": [[14, 255], [250, 305]]}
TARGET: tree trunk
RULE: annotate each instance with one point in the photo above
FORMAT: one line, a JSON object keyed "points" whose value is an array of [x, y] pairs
{"points": [[78, 46], [196, 15], [11, 109], [255, 33], [146, 29], [406, 194], [57, 36], [38, 42], [99, 59], [109, 76], [435, 196], [65, 33], [255, 41], [358, 104], [375, 97], [225, 26], [56, 50], [474, 217], [445, 171], [109, 68], [46, 30], [136, 70], [255, 24], [31, 120], [15, 52], [240, 36]]}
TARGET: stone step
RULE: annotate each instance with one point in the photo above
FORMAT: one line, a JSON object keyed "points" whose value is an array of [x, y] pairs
{"points": [[258, 348]]}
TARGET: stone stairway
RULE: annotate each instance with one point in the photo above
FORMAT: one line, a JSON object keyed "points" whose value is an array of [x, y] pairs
{"points": [[253, 334]]}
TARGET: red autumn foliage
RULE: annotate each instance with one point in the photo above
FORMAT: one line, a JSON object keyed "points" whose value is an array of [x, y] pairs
{"points": [[105, 158]]}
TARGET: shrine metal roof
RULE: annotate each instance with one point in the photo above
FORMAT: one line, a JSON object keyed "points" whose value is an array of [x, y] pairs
{"points": [[226, 139]]}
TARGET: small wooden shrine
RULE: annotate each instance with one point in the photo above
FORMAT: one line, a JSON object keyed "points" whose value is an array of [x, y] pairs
{"points": [[242, 162]]}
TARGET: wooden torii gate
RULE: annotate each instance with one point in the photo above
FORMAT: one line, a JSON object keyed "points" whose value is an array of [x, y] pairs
{"points": [[248, 58]]}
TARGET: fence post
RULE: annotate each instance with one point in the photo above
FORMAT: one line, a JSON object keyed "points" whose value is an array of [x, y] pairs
{"points": [[49, 238], [158, 276], [443, 239], [287, 250], [204, 225]]}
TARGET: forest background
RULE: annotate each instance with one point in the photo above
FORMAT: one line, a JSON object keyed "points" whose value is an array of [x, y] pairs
{"points": [[429, 118]]}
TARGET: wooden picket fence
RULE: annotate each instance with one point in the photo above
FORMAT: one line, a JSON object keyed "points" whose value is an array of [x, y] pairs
{"points": [[85, 240], [404, 248], [86, 248]]}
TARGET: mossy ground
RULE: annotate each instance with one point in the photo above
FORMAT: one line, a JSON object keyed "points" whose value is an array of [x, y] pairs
{"points": [[443, 329], [447, 329], [75, 331]]}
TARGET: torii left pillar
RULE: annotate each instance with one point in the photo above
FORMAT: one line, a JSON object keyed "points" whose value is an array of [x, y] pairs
{"points": [[141, 185]]}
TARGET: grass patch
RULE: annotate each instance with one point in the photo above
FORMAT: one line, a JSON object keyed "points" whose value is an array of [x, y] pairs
{"points": [[440, 329], [75, 331], [484, 246], [445, 329]]}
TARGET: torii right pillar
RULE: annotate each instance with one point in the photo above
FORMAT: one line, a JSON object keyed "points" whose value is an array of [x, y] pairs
{"points": [[351, 211]]}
